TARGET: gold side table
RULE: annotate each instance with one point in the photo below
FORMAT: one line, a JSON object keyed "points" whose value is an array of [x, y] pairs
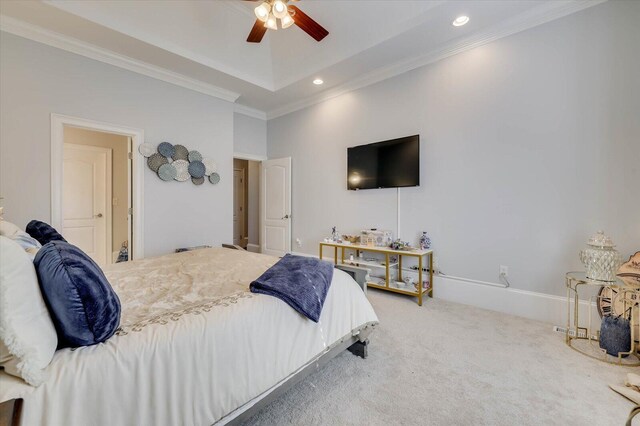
{"points": [[585, 339]]}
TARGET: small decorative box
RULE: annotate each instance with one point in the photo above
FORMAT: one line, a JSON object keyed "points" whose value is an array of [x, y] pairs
{"points": [[382, 238]]}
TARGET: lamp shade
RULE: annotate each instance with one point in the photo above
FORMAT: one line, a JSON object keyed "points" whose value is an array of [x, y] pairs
{"points": [[279, 9], [287, 21], [262, 11], [271, 22]]}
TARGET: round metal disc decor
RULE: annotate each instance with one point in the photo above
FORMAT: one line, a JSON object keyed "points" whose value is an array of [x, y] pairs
{"points": [[214, 178], [182, 170], [196, 169], [210, 166], [146, 149], [181, 153], [155, 161], [166, 149], [195, 156], [167, 172], [197, 181]]}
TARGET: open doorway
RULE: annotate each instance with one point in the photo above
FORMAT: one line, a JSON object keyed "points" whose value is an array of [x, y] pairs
{"points": [[97, 193], [246, 204]]}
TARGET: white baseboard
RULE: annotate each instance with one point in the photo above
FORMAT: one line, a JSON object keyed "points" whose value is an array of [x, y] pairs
{"points": [[254, 248], [528, 304]]}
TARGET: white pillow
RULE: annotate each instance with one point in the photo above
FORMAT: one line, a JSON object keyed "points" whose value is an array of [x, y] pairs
{"points": [[27, 335], [26, 241], [8, 229]]}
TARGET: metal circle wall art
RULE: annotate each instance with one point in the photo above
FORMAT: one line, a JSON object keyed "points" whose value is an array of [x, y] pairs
{"points": [[180, 153], [167, 172], [195, 156], [155, 161], [182, 169], [166, 149], [176, 162], [196, 169], [214, 178]]}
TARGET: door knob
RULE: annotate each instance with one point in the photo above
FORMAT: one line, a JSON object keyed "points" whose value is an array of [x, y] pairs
{"points": [[99, 215], [286, 216]]}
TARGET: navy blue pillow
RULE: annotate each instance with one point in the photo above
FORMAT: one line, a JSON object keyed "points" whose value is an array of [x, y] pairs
{"points": [[84, 308], [43, 232]]}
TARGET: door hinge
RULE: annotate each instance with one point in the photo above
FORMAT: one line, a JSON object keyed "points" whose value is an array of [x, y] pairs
{"points": [[130, 155], [130, 211]]}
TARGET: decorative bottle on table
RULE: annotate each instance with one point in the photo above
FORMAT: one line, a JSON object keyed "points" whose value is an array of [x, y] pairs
{"points": [[335, 235], [425, 241]]}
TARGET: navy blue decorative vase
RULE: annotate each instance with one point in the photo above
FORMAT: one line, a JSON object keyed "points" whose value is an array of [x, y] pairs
{"points": [[615, 335]]}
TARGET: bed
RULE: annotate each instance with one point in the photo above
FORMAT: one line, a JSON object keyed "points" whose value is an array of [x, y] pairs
{"points": [[194, 346]]}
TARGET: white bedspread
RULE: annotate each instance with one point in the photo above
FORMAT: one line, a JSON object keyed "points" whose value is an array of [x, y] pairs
{"points": [[194, 344]]}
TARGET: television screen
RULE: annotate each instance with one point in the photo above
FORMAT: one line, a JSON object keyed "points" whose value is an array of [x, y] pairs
{"points": [[390, 164]]}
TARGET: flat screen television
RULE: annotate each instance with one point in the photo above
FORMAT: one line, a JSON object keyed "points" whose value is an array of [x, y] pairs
{"points": [[389, 164]]}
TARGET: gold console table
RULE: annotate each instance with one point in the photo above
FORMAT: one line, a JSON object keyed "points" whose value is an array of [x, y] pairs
{"points": [[589, 336], [424, 257]]}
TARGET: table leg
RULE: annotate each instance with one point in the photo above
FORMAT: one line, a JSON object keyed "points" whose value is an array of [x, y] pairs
{"points": [[335, 255], [420, 281], [387, 270], [321, 251], [399, 267], [568, 284], [431, 274]]}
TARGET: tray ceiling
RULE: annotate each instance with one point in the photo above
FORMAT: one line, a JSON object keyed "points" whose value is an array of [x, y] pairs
{"points": [[205, 40]]}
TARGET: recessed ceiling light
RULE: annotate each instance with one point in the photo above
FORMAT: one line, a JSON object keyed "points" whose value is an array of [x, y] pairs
{"points": [[318, 81], [460, 21]]}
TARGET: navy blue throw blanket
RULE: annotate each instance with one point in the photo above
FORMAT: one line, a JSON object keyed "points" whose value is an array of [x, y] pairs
{"points": [[301, 282]]}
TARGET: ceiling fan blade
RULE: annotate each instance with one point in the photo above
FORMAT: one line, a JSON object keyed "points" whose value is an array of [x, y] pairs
{"points": [[257, 32], [307, 24]]}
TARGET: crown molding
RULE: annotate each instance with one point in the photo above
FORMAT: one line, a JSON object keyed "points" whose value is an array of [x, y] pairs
{"points": [[251, 112], [50, 38], [538, 16]]}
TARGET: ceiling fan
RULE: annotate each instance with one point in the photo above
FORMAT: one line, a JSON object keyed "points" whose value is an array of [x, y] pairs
{"points": [[269, 12]]}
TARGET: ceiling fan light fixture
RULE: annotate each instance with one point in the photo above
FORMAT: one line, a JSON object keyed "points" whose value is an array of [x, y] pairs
{"points": [[460, 21], [318, 81], [271, 22], [262, 11], [279, 9], [286, 22]]}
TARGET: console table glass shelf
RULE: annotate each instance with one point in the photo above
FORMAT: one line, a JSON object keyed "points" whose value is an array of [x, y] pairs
{"points": [[585, 339], [391, 268]]}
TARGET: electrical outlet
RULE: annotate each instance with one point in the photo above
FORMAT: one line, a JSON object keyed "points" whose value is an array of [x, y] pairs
{"points": [[298, 242], [504, 271]]}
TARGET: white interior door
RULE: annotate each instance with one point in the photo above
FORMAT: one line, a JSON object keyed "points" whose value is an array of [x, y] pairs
{"points": [[86, 200], [275, 212], [238, 206]]}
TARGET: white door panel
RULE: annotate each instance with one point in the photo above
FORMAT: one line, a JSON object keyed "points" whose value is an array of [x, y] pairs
{"points": [[275, 188], [86, 200]]}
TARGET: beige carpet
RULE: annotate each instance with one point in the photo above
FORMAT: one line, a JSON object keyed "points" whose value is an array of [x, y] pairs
{"points": [[450, 364]]}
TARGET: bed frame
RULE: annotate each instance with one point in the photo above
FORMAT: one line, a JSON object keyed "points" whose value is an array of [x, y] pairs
{"points": [[13, 410], [352, 344]]}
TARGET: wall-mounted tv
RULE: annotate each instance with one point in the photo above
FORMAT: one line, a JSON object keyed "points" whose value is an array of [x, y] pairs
{"points": [[389, 164]]}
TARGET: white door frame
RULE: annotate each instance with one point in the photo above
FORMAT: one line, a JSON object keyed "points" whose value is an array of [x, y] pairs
{"points": [[259, 159], [58, 121]]}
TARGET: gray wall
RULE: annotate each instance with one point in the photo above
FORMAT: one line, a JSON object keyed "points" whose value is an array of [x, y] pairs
{"points": [[528, 145], [249, 135], [37, 80]]}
